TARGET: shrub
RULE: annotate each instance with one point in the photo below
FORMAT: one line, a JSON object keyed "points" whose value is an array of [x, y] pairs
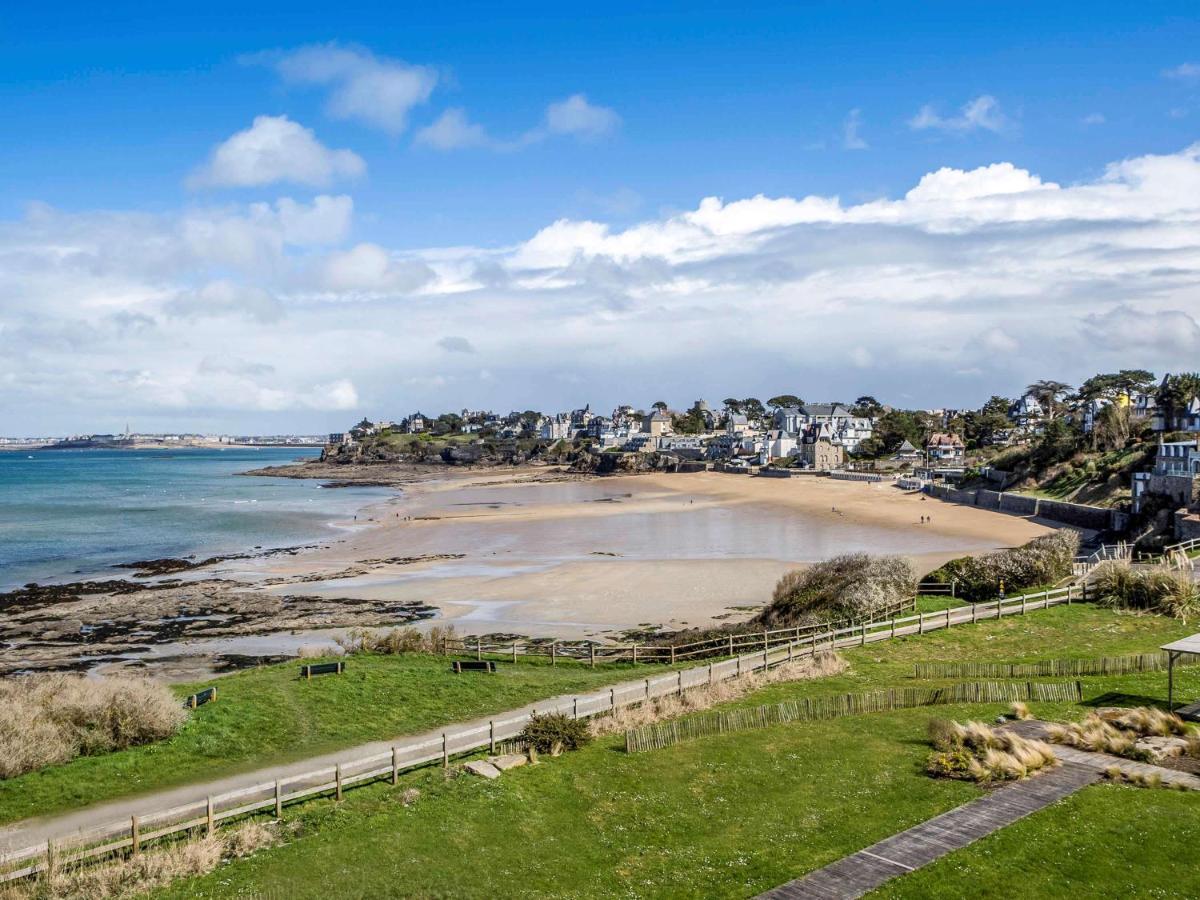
{"points": [[1159, 589], [1043, 560], [1117, 731], [982, 754], [395, 641], [944, 734], [851, 586], [554, 731], [50, 719]]}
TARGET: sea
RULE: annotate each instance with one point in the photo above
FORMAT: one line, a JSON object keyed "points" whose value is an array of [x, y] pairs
{"points": [[73, 514]]}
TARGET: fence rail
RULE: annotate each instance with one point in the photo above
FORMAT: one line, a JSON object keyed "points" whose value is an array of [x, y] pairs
{"points": [[593, 653], [1104, 665], [666, 734], [206, 814]]}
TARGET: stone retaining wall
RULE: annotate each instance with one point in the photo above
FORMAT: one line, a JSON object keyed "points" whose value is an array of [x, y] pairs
{"points": [[1077, 514]]}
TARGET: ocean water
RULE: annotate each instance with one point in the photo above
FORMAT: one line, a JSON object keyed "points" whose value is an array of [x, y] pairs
{"points": [[70, 514]]}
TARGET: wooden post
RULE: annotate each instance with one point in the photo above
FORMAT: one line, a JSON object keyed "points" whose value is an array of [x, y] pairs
{"points": [[1022, 604], [445, 752], [947, 617], [553, 653], [920, 623], [395, 766], [739, 666], [1070, 588], [974, 613], [478, 648], [791, 647], [492, 737], [214, 696], [647, 688], [710, 673], [731, 645], [308, 673], [514, 651], [212, 822], [612, 698], [893, 626], [681, 682], [279, 789], [864, 635], [135, 843], [49, 855], [575, 708], [764, 639], [592, 654], [672, 654]]}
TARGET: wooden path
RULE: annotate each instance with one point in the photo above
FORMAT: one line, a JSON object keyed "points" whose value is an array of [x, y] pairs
{"points": [[862, 872]]}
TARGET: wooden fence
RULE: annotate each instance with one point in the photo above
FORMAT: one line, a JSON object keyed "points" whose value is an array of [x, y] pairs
{"points": [[666, 734], [1104, 665], [594, 653], [204, 815]]}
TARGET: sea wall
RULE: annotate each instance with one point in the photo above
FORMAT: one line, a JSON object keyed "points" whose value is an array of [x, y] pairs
{"points": [[1077, 514]]}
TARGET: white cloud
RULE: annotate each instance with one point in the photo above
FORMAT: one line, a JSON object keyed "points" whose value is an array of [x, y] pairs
{"points": [[452, 131], [851, 138], [371, 268], [273, 149], [577, 117], [986, 273], [981, 113], [1188, 71], [1094, 119], [378, 91]]}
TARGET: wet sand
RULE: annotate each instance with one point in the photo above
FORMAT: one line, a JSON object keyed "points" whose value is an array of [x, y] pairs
{"points": [[591, 558], [533, 552]]}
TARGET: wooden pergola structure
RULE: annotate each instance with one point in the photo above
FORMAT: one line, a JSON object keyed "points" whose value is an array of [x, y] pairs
{"points": [[1188, 646]]}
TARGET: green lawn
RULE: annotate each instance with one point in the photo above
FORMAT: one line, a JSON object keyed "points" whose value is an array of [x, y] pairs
{"points": [[727, 816], [268, 716], [1106, 841]]}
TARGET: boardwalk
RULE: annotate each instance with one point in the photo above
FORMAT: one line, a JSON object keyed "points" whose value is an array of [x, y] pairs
{"points": [[862, 872]]}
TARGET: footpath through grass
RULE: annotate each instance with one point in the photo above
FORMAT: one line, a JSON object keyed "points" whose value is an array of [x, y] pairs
{"points": [[1106, 841], [727, 816], [268, 716]]}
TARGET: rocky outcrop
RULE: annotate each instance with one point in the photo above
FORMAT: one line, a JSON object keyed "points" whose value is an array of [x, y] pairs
{"points": [[589, 462]]}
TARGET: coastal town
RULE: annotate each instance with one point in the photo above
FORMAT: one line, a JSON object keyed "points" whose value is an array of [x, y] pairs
{"points": [[1125, 441]]}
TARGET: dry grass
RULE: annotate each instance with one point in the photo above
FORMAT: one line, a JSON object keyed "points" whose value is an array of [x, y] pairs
{"points": [[700, 698], [1117, 731], [1019, 711], [1160, 589], [51, 719], [151, 869], [395, 640], [975, 752]]}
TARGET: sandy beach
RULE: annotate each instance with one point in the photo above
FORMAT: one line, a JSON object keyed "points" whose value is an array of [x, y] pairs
{"points": [[535, 552], [596, 556]]}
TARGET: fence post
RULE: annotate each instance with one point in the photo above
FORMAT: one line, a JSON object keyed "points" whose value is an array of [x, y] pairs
{"points": [[953, 587], [208, 810], [681, 682], [1022, 604], [864, 635], [791, 647], [1070, 588], [445, 752], [575, 708], [739, 666], [731, 645], [337, 777], [647, 688], [554, 653], [592, 654], [135, 844], [947, 617], [766, 660], [49, 855], [478, 648], [893, 626], [672, 654], [974, 613], [764, 639], [492, 737], [920, 623], [635, 652], [514, 651], [710, 673], [612, 698], [395, 767]]}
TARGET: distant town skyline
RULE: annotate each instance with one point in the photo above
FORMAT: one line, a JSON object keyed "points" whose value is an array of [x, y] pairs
{"points": [[321, 214]]}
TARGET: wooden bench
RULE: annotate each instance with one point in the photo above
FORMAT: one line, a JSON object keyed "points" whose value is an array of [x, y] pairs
{"points": [[473, 665], [208, 695], [333, 668]]}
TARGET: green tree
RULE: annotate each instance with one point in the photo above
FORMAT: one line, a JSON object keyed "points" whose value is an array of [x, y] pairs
{"points": [[753, 409], [732, 405], [1176, 393], [1049, 393], [660, 405], [783, 400], [867, 406]]}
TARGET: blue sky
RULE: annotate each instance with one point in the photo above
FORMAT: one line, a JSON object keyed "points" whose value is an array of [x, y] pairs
{"points": [[616, 116]]}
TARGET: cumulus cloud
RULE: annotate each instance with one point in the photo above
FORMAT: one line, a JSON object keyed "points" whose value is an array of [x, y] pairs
{"points": [[452, 131], [851, 137], [369, 267], [577, 117], [273, 149], [984, 273], [378, 91], [982, 113]]}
